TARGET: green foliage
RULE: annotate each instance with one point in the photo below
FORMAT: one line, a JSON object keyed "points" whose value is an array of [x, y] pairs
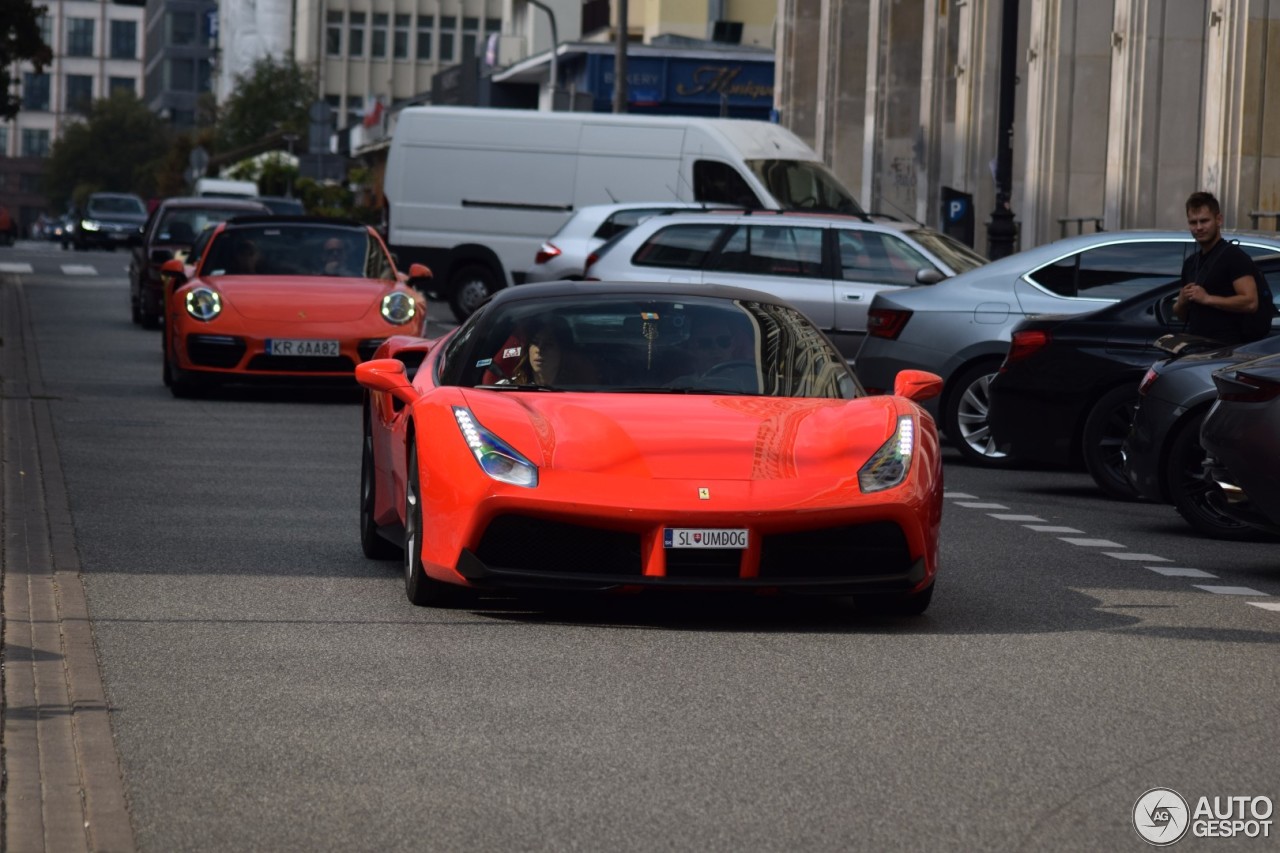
{"points": [[323, 199], [19, 39], [121, 147], [273, 97]]}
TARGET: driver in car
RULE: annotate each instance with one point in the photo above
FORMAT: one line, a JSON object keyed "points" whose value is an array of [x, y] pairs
{"points": [[715, 345]]}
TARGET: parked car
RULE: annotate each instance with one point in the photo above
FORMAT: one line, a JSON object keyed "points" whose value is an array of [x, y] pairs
{"points": [[263, 301], [563, 255], [1239, 436], [169, 232], [1163, 457], [648, 470], [827, 266], [961, 328], [1068, 386], [283, 205], [110, 220]]}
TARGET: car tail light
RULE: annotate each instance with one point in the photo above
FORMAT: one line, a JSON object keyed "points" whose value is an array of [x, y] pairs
{"points": [[586, 269], [546, 252], [1025, 344], [886, 322], [1147, 381], [1246, 388]]}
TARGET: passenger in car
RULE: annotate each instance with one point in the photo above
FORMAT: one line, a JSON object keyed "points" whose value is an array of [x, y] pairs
{"points": [[549, 357]]}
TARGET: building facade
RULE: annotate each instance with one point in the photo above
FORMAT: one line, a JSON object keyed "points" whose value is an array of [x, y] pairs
{"points": [[179, 58]]}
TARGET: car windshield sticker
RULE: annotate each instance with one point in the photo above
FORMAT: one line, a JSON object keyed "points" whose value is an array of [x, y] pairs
{"points": [[484, 362], [511, 352], [649, 328]]}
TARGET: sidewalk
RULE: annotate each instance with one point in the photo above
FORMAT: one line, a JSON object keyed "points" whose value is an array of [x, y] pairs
{"points": [[62, 789]]}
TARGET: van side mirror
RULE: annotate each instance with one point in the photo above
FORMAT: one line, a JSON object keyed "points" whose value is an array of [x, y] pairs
{"points": [[929, 275]]}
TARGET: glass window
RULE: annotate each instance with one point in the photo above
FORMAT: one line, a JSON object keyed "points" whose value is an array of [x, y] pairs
{"points": [[124, 40], [1113, 271], [616, 223], [126, 84], [79, 93], [878, 257], [182, 28], [355, 35], [492, 25], [772, 250], [297, 250], [35, 143], [35, 91], [681, 246], [720, 183], [46, 29], [333, 34], [400, 40], [803, 185], [426, 28], [79, 36], [4, 140], [378, 37], [448, 34], [470, 36], [182, 75]]}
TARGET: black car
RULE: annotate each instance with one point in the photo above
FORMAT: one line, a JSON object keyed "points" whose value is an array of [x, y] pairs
{"points": [[110, 220], [1163, 459], [1069, 384]]}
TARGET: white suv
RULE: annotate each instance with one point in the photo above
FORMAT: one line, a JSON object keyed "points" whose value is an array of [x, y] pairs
{"points": [[827, 266]]}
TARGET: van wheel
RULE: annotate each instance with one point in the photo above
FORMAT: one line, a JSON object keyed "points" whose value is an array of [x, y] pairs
{"points": [[471, 285]]}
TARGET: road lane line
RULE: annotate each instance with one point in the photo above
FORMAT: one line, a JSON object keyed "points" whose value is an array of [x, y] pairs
{"points": [[1008, 516], [959, 495], [1229, 590], [1090, 543], [1051, 528], [79, 269], [19, 268], [1169, 571], [1146, 558], [980, 505], [1267, 605]]}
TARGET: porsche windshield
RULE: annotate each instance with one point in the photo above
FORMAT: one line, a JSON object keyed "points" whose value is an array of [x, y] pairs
{"points": [[297, 249], [804, 185], [648, 344]]}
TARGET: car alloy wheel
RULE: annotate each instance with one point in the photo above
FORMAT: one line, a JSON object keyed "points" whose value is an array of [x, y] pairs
{"points": [[967, 417], [1103, 438], [1191, 492], [420, 588], [472, 285]]}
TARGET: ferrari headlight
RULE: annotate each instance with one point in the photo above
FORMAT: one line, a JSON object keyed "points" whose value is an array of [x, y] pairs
{"points": [[499, 460], [889, 465], [89, 225], [204, 303], [398, 308]]}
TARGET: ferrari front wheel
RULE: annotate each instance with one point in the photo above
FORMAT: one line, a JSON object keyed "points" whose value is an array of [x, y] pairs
{"points": [[373, 545], [422, 590]]}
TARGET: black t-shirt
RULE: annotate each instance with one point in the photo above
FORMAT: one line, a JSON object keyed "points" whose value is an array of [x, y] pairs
{"points": [[1216, 271]]}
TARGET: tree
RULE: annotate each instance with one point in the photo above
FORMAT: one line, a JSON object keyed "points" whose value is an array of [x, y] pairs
{"points": [[120, 147], [272, 98], [20, 40]]}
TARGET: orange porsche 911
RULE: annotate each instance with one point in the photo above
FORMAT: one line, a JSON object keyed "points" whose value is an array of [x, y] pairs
{"points": [[276, 297], [626, 436]]}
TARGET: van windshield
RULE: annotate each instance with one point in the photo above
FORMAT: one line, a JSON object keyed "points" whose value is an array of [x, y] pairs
{"points": [[804, 185]]}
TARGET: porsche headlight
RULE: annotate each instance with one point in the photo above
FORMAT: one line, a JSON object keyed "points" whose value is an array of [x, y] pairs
{"points": [[499, 460], [398, 308], [889, 465], [89, 225], [204, 303]]}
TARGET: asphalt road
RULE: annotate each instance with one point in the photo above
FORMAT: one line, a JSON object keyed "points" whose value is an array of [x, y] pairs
{"points": [[271, 689]]}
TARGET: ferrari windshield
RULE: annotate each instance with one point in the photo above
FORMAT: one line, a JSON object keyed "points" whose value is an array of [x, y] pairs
{"points": [[648, 344], [296, 249]]}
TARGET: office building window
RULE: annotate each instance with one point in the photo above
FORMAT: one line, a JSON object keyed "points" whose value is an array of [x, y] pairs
{"points": [[333, 34], [492, 25], [35, 143], [124, 40], [46, 30], [122, 84], [35, 91], [182, 75], [182, 28], [79, 36], [470, 36], [355, 35], [400, 40], [426, 29], [448, 35], [378, 36], [79, 93]]}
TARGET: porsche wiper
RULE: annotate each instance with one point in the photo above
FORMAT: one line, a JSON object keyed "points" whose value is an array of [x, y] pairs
{"points": [[514, 387]]}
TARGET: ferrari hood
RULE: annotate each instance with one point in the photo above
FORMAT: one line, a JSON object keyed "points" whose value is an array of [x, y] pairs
{"points": [[309, 298], [689, 437]]}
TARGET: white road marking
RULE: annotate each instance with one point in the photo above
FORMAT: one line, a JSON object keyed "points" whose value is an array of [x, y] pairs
{"points": [[79, 269], [1090, 543], [977, 505], [959, 495], [1051, 528], [1146, 558], [1171, 572], [1006, 516], [1229, 590], [1267, 605], [10, 267]]}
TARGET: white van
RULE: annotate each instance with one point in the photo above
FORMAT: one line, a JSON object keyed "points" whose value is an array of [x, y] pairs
{"points": [[473, 192], [223, 188]]}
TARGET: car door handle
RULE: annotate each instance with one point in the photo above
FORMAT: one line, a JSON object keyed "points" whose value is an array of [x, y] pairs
{"points": [[853, 297]]}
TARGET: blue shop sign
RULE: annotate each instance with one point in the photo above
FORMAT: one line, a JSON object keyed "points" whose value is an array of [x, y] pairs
{"points": [[682, 81]]}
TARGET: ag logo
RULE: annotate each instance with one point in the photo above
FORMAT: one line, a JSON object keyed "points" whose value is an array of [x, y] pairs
{"points": [[1161, 816]]}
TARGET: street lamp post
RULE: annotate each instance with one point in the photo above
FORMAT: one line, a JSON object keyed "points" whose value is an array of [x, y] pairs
{"points": [[555, 46], [620, 61], [1001, 231]]}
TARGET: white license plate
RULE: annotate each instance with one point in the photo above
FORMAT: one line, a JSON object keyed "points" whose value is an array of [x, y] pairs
{"points": [[286, 346], [700, 537]]}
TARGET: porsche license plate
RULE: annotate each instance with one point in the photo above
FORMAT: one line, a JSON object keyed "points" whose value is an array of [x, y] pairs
{"points": [[699, 537], [287, 346]]}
